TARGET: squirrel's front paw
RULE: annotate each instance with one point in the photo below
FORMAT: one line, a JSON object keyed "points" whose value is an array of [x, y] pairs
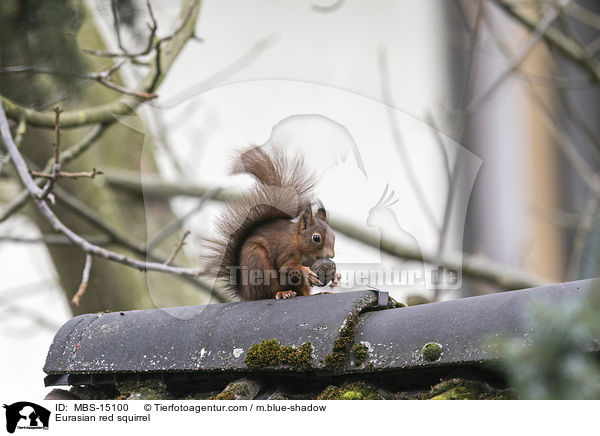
{"points": [[311, 277], [284, 295]]}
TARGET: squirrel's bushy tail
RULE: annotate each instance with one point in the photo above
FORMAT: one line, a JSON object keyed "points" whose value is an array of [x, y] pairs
{"points": [[283, 187]]}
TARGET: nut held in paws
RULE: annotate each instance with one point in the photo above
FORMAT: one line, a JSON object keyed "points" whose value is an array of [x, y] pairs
{"points": [[325, 269]]}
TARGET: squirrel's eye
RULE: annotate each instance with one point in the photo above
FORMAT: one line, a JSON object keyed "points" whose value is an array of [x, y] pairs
{"points": [[316, 238]]}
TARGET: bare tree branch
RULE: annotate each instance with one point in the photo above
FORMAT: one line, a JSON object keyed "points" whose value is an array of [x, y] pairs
{"points": [[53, 239], [56, 146], [88, 174], [84, 281]]}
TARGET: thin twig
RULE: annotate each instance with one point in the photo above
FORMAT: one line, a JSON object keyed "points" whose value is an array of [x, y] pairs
{"points": [[177, 247], [57, 131], [123, 90], [56, 164], [84, 281], [117, 23], [89, 174]]}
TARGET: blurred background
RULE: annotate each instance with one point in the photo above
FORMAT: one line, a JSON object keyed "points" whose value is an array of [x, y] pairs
{"points": [[479, 117]]}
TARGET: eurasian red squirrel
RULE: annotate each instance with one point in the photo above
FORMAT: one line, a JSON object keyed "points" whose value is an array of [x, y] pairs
{"points": [[267, 241]]}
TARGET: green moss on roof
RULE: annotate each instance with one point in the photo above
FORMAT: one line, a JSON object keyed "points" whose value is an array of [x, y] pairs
{"points": [[271, 353], [431, 351], [341, 346], [142, 390], [361, 352], [461, 389], [350, 391], [225, 395], [395, 304]]}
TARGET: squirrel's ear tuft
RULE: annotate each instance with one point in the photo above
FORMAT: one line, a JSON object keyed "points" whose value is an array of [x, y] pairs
{"points": [[321, 212], [306, 218]]}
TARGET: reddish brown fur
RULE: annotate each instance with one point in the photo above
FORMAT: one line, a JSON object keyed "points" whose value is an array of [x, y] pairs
{"points": [[257, 232]]}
